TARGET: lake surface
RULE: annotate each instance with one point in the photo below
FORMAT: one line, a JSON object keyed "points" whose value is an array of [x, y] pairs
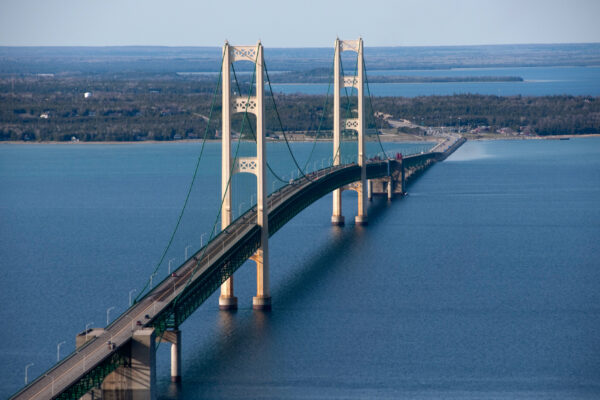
{"points": [[537, 81], [482, 283]]}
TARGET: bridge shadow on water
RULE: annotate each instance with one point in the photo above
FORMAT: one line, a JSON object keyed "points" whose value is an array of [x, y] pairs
{"points": [[243, 336], [312, 270]]}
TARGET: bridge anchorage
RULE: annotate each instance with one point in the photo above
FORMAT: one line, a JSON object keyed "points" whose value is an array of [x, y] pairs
{"points": [[119, 360]]}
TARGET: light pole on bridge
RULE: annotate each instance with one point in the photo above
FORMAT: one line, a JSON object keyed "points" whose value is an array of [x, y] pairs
{"points": [[86, 329], [58, 350], [26, 368], [108, 314], [171, 260], [130, 293]]}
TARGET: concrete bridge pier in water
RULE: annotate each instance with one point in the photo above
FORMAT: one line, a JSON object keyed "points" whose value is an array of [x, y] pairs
{"points": [[391, 185], [136, 380]]}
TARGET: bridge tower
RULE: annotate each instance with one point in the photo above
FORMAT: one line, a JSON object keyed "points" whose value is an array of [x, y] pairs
{"points": [[254, 165], [357, 124]]}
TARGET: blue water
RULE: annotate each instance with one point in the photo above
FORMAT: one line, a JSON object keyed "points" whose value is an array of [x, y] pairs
{"points": [[482, 283], [538, 81]]}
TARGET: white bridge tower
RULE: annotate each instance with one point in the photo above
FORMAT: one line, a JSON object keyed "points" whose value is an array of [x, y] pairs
{"points": [[357, 124], [254, 165]]}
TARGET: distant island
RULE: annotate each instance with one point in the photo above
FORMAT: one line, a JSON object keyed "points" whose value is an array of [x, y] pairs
{"points": [[323, 75], [169, 60]]}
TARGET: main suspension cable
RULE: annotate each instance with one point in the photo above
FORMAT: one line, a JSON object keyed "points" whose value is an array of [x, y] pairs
{"points": [[329, 79], [191, 185], [372, 109], [281, 125], [227, 189]]}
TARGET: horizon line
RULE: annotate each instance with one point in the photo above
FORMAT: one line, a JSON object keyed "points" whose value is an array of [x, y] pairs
{"points": [[295, 47]]}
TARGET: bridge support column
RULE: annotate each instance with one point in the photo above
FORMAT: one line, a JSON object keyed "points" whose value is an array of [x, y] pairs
{"points": [[262, 300], [390, 189], [138, 380], [143, 365], [337, 218], [361, 218], [227, 300], [402, 178], [174, 337], [370, 189]]}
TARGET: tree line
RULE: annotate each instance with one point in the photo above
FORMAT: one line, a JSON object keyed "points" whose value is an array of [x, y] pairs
{"points": [[172, 107]]}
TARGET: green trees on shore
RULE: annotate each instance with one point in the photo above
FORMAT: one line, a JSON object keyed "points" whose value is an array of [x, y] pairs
{"points": [[173, 107]]}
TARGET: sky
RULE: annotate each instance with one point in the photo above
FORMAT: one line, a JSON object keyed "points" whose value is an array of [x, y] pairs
{"points": [[296, 23]]}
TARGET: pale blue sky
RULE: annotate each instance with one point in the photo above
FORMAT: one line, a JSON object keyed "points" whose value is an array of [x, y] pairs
{"points": [[300, 23]]}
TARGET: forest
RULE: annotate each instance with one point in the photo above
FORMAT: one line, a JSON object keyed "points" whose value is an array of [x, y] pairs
{"points": [[171, 107]]}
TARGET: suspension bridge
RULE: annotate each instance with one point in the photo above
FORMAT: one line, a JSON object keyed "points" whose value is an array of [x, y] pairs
{"points": [[119, 360]]}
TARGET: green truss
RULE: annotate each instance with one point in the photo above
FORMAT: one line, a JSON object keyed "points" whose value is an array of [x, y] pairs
{"points": [[95, 377]]}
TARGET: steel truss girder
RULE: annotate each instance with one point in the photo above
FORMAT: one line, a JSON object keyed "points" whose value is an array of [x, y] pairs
{"points": [[95, 377], [304, 198], [201, 288]]}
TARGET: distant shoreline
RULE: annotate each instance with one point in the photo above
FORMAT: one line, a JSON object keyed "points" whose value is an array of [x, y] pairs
{"points": [[383, 139], [549, 137]]}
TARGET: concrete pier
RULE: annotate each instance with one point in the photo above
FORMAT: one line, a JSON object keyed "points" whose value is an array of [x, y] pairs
{"points": [[174, 337], [262, 300], [136, 381], [228, 303], [361, 220], [337, 220]]}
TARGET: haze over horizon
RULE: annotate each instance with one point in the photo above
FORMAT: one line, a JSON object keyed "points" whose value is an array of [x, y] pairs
{"points": [[313, 23]]}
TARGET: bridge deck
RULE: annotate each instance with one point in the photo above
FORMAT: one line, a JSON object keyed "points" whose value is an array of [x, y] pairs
{"points": [[177, 296]]}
